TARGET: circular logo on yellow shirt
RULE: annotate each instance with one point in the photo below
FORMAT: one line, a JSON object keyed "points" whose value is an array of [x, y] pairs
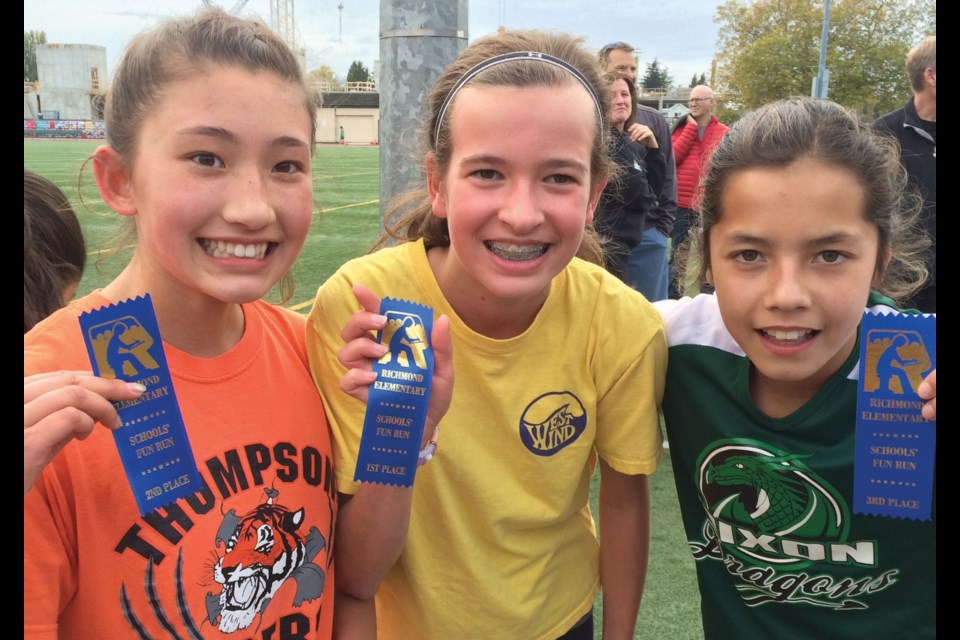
{"points": [[551, 422]]}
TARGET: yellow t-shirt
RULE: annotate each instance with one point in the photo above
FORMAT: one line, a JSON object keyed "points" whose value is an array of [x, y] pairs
{"points": [[501, 541]]}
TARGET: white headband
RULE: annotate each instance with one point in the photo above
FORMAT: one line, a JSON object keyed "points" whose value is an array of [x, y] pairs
{"points": [[510, 57]]}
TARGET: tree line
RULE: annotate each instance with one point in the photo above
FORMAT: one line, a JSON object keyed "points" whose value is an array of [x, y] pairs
{"points": [[30, 41], [357, 72], [770, 49]]}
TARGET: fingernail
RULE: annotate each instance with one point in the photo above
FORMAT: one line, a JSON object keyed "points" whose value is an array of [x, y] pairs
{"points": [[381, 320], [923, 390], [136, 386], [383, 349]]}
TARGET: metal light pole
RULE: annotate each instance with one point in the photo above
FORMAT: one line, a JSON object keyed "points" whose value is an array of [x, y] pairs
{"points": [[821, 84], [418, 38]]}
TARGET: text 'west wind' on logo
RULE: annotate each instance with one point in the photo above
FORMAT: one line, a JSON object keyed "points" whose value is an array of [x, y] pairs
{"points": [[551, 422]]}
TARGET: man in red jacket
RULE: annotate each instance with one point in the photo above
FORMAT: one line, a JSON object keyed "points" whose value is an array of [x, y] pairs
{"points": [[694, 139]]}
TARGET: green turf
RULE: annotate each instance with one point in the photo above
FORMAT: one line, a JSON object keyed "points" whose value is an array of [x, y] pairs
{"points": [[671, 601], [345, 225]]}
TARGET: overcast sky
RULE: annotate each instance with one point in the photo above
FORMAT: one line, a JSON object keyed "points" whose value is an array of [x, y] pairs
{"points": [[681, 35]]}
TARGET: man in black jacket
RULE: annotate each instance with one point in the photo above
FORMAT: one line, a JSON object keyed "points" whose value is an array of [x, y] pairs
{"points": [[915, 126]]}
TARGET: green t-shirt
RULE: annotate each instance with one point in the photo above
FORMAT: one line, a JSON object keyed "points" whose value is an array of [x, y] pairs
{"points": [[781, 553]]}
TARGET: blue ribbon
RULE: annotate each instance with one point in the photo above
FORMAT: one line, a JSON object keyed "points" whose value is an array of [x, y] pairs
{"points": [[123, 341], [397, 404], [895, 448]]}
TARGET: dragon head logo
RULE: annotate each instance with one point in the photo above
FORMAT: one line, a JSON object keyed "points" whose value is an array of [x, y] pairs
{"points": [[778, 527], [767, 506]]}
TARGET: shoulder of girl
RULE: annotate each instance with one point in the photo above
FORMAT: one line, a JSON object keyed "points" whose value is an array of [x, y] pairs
{"points": [[628, 304], [686, 308], [63, 324]]}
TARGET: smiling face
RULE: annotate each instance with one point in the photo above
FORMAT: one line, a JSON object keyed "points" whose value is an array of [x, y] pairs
{"points": [[701, 104], [220, 187], [793, 258], [621, 103], [517, 194]]}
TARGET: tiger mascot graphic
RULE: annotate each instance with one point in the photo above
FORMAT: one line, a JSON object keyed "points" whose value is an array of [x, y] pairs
{"points": [[264, 548]]}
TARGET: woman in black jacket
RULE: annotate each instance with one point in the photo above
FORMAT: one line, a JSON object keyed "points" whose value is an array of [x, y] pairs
{"points": [[625, 201]]}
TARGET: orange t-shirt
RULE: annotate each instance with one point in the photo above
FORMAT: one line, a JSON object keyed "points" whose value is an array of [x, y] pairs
{"points": [[248, 556]]}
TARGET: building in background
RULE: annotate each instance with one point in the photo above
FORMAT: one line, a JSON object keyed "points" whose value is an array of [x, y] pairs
{"points": [[72, 81], [357, 111]]}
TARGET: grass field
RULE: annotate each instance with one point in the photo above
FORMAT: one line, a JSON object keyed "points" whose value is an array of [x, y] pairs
{"points": [[345, 226]]}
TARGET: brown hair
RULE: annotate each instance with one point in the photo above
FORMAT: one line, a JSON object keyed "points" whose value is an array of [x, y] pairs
{"points": [[604, 54], [921, 57], [54, 253], [783, 132], [183, 47], [409, 215]]}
